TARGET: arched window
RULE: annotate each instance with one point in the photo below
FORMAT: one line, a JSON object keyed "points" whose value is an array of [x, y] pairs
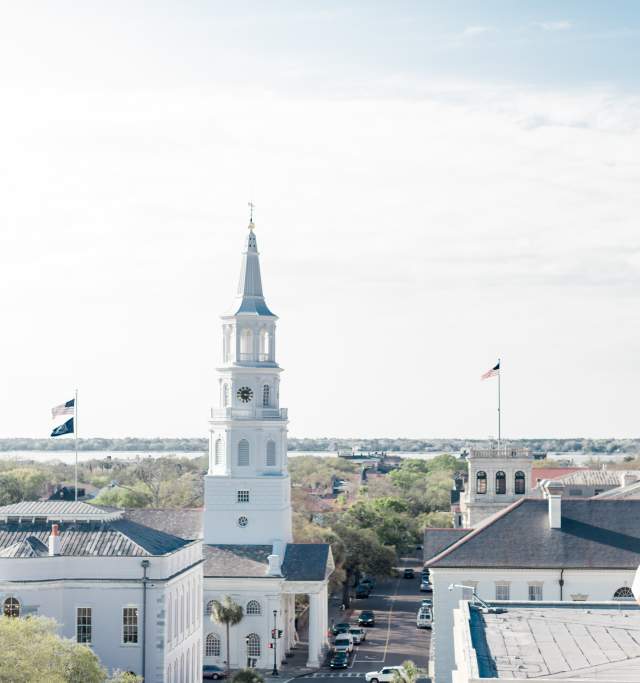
{"points": [[218, 452], [11, 607], [188, 619], [209, 609], [519, 483], [212, 645], [623, 593], [226, 395], [253, 607], [176, 623], [265, 395], [271, 453], [253, 645], [170, 619], [481, 482], [501, 482], [246, 344], [243, 453], [265, 340]]}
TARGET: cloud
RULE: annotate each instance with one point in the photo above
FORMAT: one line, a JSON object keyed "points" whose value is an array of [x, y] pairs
{"points": [[472, 31], [555, 25]]}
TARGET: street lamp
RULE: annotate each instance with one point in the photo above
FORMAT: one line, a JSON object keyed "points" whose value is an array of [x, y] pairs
{"points": [[274, 634]]}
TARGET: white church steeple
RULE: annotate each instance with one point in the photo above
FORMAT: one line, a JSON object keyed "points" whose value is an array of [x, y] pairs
{"points": [[247, 488]]}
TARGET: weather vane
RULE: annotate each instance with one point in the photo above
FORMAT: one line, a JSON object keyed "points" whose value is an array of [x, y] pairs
{"points": [[251, 207]]}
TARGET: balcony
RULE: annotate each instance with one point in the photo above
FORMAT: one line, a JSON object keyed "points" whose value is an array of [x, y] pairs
{"points": [[252, 413]]}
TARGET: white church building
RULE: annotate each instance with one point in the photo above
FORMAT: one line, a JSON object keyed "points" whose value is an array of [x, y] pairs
{"points": [[138, 585]]}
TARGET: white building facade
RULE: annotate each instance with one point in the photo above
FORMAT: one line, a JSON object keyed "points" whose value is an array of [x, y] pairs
{"points": [[553, 550], [249, 550], [497, 477], [131, 593]]}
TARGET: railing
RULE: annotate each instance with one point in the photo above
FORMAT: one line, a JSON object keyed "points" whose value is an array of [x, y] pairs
{"points": [[259, 357], [251, 413], [500, 452]]}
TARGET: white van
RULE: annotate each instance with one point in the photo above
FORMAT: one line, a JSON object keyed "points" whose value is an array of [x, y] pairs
{"points": [[424, 618], [343, 643]]}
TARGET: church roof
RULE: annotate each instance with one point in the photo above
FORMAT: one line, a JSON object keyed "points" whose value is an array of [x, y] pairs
{"points": [[250, 298], [594, 534], [302, 561], [115, 538]]}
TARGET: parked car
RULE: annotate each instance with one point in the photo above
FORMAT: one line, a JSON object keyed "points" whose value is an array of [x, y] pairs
{"points": [[358, 634], [408, 573], [343, 643], [425, 586], [362, 591], [385, 675], [367, 618], [212, 671], [339, 660], [424, 618], [342, 627], [427, 602], [368, 581]]}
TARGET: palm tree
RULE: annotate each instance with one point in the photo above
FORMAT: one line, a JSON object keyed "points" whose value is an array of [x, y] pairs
{"points": [[228, 613]]}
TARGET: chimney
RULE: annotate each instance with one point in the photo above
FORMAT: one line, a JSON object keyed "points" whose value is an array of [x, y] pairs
{"points": [[54, 541], [274, 565], [553, 492]]}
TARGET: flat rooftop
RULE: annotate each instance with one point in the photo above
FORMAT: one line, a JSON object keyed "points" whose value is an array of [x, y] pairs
{"points": [[577, 641]]}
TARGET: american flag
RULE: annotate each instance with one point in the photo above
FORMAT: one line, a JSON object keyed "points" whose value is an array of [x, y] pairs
{"points": [[67, 408], [495, 370]]}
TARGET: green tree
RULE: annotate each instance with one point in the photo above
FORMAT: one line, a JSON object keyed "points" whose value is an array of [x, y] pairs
{"points": [[247, 676], [32, 651], [228, 613], [362, 552]]}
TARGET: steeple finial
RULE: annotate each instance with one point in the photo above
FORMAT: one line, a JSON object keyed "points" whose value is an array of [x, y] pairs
{"points": [[251, 207]]}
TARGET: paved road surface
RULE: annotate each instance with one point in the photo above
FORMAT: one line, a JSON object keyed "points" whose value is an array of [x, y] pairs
{"points": [[395, 637]]}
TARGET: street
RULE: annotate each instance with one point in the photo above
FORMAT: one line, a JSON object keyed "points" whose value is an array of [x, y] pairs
{"points": [[395, 637]]}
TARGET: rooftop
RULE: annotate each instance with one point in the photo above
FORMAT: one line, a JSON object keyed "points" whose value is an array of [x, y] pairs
{"points": [[594, 534], [302, 561], [58, 510], [592, 642]]}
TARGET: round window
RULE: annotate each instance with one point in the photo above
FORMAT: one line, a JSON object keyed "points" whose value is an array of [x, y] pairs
{"points": [[243, 521]]}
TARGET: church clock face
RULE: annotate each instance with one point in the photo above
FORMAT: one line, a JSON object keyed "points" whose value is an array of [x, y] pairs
{"points": [[244, 394]]}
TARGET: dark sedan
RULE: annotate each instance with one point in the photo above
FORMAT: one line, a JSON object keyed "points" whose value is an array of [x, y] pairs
{"points": [[367, 618], [339, 660], [342, 627]]}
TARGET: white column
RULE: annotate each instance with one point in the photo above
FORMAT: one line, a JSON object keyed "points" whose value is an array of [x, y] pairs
{"points": [[325, 616], [315, 625]]}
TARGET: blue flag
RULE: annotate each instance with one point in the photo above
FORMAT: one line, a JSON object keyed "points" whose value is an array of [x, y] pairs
{"points": [[64, 428]]}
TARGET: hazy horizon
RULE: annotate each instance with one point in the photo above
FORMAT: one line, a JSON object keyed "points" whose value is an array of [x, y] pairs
{"points": [[435, 187]]}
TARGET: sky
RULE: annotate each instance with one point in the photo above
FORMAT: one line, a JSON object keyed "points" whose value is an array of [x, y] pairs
{"points": [[437, 185]]}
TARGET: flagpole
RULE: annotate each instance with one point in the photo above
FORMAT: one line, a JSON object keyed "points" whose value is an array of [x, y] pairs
{"points": [[75, 434], [499, 426]]}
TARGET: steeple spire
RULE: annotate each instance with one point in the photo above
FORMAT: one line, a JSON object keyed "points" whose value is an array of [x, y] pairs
{"points": [[250, 299]]}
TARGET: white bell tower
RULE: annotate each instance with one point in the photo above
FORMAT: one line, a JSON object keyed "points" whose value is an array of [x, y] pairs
{"points": [[247, 491]]}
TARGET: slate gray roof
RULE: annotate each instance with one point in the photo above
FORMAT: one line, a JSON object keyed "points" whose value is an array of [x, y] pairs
{"points": [[595, 534], [53, 509], [595, 477], [116, 538], [437, 540], [302, 561], [185, 523], [585, 642]]}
